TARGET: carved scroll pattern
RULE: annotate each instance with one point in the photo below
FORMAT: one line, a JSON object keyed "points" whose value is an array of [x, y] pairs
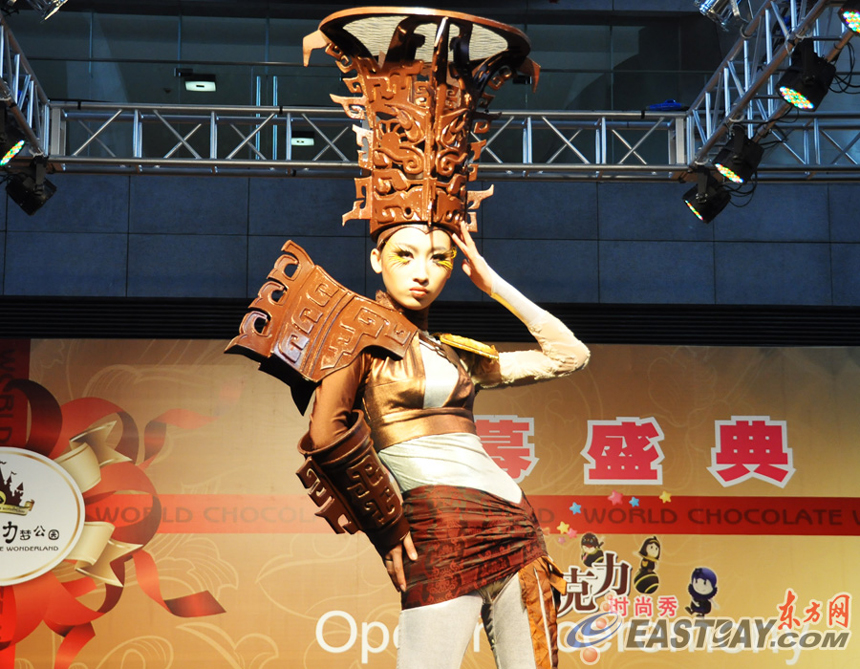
{"points": [[351, 487], [331, 508], [305, 321]]}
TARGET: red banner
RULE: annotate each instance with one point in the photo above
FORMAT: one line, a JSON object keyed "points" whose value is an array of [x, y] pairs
{"points": [[294, 514]]}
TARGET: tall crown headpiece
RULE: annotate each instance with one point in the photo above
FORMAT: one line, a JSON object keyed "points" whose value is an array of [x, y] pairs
{"points": [[419, 77]]}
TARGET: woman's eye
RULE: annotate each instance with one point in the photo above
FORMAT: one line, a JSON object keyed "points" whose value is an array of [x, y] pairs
{"points": [[400, 257], [444, 260]]}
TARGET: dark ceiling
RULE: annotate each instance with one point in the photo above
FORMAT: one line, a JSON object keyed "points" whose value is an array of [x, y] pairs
{"points": [[513, 11]]}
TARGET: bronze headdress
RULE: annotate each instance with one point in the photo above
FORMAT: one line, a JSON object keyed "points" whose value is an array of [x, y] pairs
{"points": [[419, 79]]}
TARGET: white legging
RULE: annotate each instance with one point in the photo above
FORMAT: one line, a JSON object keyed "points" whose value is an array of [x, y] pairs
{"points": [[437, 636]]}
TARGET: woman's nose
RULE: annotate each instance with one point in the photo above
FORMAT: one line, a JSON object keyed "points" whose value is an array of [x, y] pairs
{"points": [[421, 274]]}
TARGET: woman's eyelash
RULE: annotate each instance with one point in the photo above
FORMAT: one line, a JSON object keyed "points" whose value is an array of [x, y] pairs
{"points": [[400, 256], [446, 259]]}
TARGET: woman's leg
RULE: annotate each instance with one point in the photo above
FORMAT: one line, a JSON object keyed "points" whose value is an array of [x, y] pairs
{"points": [[506, 621], [436, 636]]}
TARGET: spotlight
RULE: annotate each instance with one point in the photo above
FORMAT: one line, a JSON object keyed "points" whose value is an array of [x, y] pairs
{"points": [[738, 160], [724, 13], [11, 138], [198, 83], [29, 188], [850, 15], [707, 198], [807, 80]]}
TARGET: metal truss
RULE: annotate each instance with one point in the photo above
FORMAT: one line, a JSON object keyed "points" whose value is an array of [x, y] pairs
{"points": [[742, 92], [127, 138], [588, 146], [21, 94], [159, 139]]}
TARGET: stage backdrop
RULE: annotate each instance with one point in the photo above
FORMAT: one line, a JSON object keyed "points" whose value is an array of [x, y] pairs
{"points": [[702, 503]]}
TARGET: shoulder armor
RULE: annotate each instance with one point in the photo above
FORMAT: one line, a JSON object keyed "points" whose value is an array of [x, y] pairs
{"points": [[466, 344], [304, 325]]}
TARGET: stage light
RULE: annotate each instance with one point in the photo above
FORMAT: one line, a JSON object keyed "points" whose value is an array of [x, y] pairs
{"points": [[11, 138], [198, 83], [738, 160], [807, 80], [725, 13], [707, 198], [850, 15], [29, 188]]}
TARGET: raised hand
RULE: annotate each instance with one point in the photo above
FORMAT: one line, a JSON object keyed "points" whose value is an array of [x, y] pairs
{"points": [[474, 265]]}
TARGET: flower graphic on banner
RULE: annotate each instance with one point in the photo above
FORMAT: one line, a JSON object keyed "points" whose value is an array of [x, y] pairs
{"points": [[69, 440]]}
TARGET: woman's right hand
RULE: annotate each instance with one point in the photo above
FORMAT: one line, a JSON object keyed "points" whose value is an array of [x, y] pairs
{"points": [[474, 265], [393, 561]]}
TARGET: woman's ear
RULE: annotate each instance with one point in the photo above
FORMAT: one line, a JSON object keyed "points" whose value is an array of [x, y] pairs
{"points": [[376, 260]]}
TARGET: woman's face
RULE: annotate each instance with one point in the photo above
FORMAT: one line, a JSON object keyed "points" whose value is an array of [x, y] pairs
{"points": [[415, 265], [652, 550]]}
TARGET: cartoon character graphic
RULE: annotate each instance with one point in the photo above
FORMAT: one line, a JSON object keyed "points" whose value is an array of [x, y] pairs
{"points": [[591, 549], [702, 588], [646, 580]]}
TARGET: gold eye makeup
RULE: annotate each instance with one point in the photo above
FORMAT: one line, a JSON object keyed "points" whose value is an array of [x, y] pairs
{"points": [[399, 255], [446, 259]]}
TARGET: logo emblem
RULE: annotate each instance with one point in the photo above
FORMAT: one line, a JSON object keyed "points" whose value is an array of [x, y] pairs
{"points": [[41, 515]]}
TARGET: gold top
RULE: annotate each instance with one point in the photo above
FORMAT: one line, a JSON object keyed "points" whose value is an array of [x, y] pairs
{"points": [[466, 344]]}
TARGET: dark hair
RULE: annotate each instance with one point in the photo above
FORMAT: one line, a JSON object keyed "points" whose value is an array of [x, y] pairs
{"points": [[650, 540], [707, 575], [590, 540]]}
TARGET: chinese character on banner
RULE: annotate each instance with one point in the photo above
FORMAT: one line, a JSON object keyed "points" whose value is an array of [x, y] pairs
{"points": [[667, 606], [786, 611], [624, 450], [508, 441], [812, 612], [839, 610], [620, 605], [584, 588], [751, 447], [643, 606], [10, 531]]}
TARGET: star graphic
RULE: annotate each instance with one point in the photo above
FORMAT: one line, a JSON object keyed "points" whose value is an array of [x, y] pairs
{"points": [[575, 508], [561, 540], [563, 527], [666, 497], [572, 533], [634, 501], [615, 497]]}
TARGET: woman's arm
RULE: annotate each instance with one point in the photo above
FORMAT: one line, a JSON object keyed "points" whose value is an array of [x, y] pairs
{"points": [[334, 404], [560, 354], [332, 417]]}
